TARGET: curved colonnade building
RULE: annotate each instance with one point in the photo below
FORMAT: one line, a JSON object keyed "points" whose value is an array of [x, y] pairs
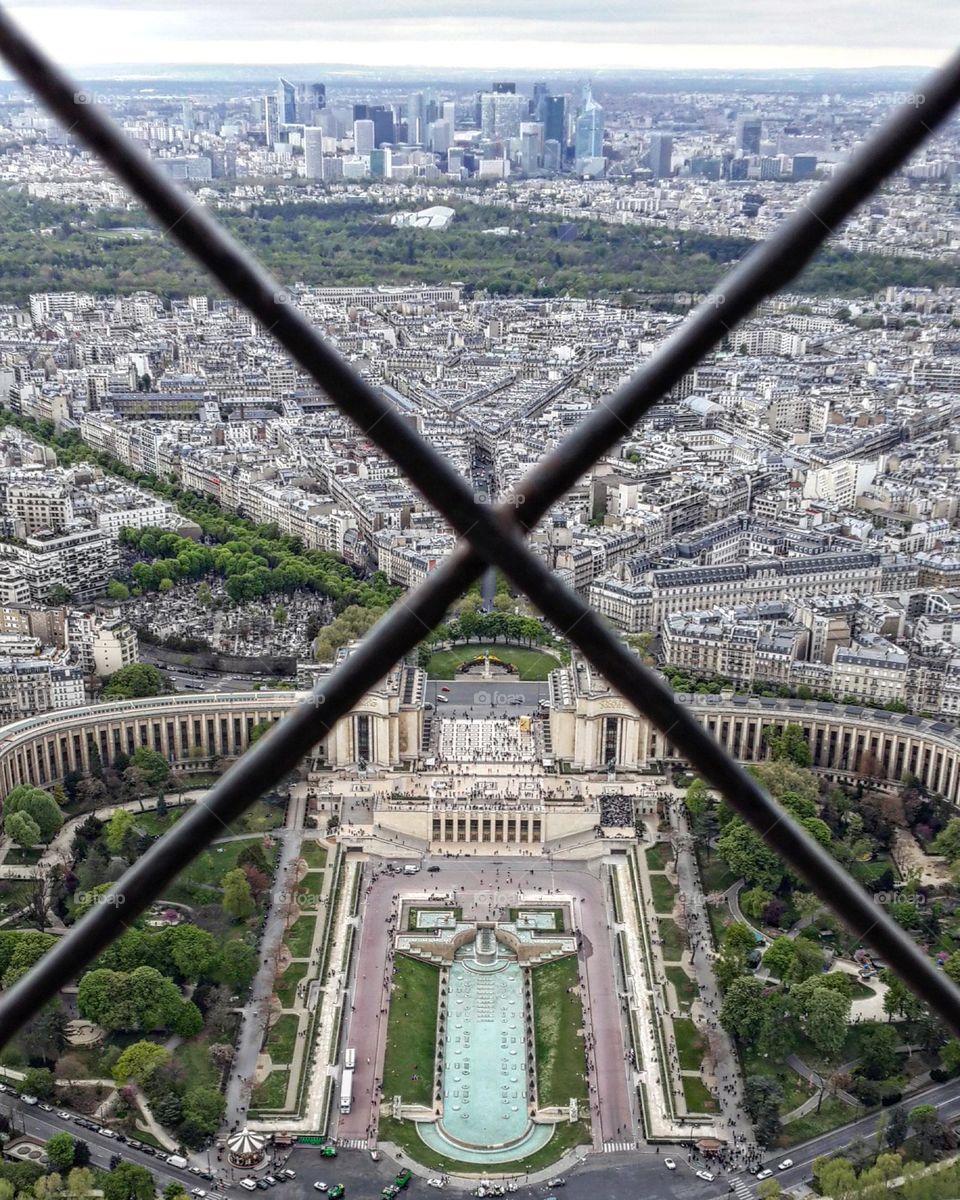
{"points": [[589, 727]]}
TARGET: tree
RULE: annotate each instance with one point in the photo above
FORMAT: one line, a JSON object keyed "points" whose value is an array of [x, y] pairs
{"points": [[138, 1062], [203, 1107], [39, 805], [81, 1152], [22, 829], [237, 897], [779, 957], [768, 1189], [742, 1011], [897, 1126], [237, 965], [155, 768], [194, 951], [117, 591], [189, 1021], [791, 745], [117, 830], [898, 998], [824, 1013], [754, 902], [737, 943], [46, 1035], [80, 1179], [747, 855], [39, 1082], [947, 841], [807, 961], [204, 595], [878, 1051], [220, 1055], [128, 1181], [60, 1150], [279, 615], [134, 681], [763, 1096]]}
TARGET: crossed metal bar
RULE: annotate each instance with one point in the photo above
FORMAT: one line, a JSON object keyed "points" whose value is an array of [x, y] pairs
{"points": [[492, 535]]}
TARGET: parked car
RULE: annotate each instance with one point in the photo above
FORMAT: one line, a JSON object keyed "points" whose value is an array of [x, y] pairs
{"points": [[288, 1174], [669, 1164], [555, 1183], [403, 1178], [785, 1165], [249, 1184], [433, 869], [436, 1182], [328, 1152], [336, 1191], [764, 1174], [444, 688], [45, 1107]]}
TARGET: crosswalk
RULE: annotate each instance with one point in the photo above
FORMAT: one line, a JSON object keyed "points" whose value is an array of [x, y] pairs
{"points": [[352, 1143], [618, 1147], [743, 1192]]}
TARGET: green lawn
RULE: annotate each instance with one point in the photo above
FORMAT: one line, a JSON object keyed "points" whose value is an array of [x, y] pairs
{"points": [[659, 855], [199, 881], [557, 1020], [566, 1136], [193, 1056], [299, 937], [412, 1032], [156, 826], [698, 1096], [272, 1093], [673, 939], [664, 893], [685, 987], [833, 1113], [313, 854], [282, 1038], [260, 817], [715, 875], [530, 663], [690, 1044], [23, 856], [309, 890], [285, 986]]}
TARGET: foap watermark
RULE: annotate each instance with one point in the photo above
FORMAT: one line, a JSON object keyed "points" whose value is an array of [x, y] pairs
{"points": [[89, 899], [917, 899], [85, 96], [495, 698], [297, 897]]}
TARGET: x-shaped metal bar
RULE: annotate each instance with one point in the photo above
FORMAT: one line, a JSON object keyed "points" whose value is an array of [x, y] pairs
{"points": [[494, 534]]}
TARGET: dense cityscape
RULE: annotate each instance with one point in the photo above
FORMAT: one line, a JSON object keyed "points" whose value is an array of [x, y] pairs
{"points": [[493, 934]]}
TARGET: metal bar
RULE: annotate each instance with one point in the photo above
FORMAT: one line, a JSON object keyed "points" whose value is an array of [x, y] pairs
{"points": [[494, 534]]}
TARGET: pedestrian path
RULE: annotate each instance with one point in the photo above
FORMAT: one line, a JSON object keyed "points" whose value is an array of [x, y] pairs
{"points": [[618, 1147], [741, 1188], [352, 1143]]}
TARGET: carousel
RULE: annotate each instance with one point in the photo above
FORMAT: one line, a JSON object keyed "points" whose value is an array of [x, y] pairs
{"points": [[246, 1149]]}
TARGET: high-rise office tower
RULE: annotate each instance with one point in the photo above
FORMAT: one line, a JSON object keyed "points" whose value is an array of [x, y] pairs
{"points": [[553, 116], [552, 156], [381, 162], [363, 132], [313, 152], [504, 89], [286, 102], [749, 132], [383, 127], [500, 115], [660, 155], [804, 166], [531, 146], [270, 121], [540, 92], [416, 126], [589, 135], [186, 115], [450, 113], [454, 160], [439, 136]]}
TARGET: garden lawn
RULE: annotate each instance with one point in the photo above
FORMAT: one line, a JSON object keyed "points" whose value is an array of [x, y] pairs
{"points": [[199, 881], [685, 987], [272, 1093], [715, 875], [795, 1089], [658, 856], [260, 817], [313, 854], [833, 1113], [690, 1044], [557, 1022], [412, 1031], [530, 663], [282, 1038], [299, 937], [23, 856], [698, 1096], [664, 893], [285, 986], [673, 939]]}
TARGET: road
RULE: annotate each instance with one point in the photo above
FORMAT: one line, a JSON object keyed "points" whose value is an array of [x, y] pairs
{"points": [[480, 697]]}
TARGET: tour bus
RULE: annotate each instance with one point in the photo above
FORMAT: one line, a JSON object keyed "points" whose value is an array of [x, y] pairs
{"points": [[350, 1059], [346, 1090]]}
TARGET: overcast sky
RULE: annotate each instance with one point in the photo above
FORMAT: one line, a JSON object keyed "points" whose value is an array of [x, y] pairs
{"points": [[536, 34]]}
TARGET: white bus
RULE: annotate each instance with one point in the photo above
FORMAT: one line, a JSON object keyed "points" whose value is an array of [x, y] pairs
{"points": [[346, 1089]]}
